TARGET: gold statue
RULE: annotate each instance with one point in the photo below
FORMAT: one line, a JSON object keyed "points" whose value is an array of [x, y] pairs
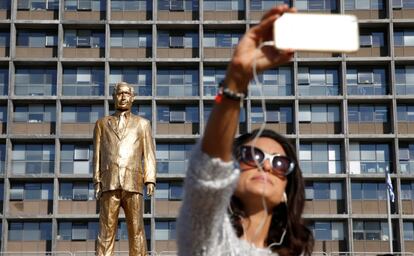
{"points": [[124, 160]]}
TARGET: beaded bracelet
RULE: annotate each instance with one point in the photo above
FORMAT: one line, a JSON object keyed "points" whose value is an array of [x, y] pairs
{"points": [[223, 90]]}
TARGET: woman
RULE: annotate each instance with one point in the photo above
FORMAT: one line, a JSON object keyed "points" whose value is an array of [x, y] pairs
{"points": [[254, 206]]}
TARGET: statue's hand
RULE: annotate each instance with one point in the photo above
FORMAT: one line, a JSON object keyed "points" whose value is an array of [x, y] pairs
{"points": [[98, 191], [150, 189]]}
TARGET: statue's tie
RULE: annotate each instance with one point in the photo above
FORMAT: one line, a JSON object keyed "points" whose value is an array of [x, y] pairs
{"points": [[121, 122]]}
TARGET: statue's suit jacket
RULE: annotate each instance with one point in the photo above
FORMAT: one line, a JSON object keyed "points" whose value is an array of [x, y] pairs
{"points": [[123, 160]]}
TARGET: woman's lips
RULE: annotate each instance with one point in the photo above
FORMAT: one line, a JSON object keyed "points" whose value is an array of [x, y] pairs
{"points": [[261, 178]]}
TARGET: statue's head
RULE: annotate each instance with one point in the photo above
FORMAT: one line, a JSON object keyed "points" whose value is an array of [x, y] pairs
{"points": [[123, 96]]}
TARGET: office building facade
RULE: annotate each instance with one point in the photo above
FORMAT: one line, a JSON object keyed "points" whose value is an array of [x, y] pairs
{"points": [[350, 116]]}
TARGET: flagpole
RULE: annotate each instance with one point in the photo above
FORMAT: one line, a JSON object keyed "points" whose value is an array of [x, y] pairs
{"points": [[389, 214]]}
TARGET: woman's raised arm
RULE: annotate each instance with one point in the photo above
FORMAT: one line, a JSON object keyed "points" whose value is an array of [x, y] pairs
{"points": [[223, 121]]}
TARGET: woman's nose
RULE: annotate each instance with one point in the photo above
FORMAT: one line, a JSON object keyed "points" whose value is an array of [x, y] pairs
{"points": [[267, 166]]}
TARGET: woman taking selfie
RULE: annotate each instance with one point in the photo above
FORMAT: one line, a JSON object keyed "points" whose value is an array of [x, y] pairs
{"points": [[244, 197]]}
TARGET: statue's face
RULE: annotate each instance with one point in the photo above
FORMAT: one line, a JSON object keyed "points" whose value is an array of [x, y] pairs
{"points": [[123, 98]]}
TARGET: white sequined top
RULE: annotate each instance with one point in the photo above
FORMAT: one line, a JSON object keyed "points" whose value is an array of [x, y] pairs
{"points": [[203, 225]]}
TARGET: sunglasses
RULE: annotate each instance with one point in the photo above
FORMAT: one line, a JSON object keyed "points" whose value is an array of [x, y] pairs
{"points": [[281, 165]]}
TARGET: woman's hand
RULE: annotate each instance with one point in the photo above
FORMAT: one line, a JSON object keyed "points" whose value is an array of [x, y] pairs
{"points": [[240, 69]]}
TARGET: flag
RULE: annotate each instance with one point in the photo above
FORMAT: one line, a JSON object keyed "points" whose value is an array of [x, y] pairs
{"points": [[389, 186]]}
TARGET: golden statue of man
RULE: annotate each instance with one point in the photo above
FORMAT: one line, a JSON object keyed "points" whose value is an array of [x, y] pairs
{"points": [[124, 160]]}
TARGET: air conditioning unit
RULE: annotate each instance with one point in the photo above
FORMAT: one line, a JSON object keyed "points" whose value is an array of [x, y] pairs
{"points": [[177, 116], [176, 5], [80, 197]]}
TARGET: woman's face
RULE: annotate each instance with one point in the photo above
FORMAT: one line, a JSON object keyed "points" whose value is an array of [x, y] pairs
{"points": [[254, 184]]}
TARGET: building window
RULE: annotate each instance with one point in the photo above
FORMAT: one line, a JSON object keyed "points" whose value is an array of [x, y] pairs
{"points": [[364, 5], [2, 158], [406, 155], [35, 81], [371, 39], [407, 190], [172, 158], [30, 231], [76, 159], [4, 80], [406, 4], [328, 230], [221, 39], [4, 39], [5, 5], [404, 38], [172, 191], [223, 5], [177, 82], [122, 233], [76, 191], [211, 78], [318, 81], [85, 5], [274, 114], [316, 5], [139, 77], [405, 113], [172, 39], [83, 38], [319, 113], [131, 5], [320, 158], [33, 159], [408, 229], [404, 80], [83, 81], [31, 191], [367, 81], [23, 5], [367, 114], [35, 113], [129, 38], [368, 190], [263, 5], [370, 230], [165, 230], [275, 82], [323, 191], [3, 119], [178, 5], [369, 158], [177, 114], [1, 198], [81, 114], [78, 231], [36, 39]]}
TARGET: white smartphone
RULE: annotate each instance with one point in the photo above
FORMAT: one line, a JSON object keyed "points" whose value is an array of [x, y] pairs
{"points": [[316, 32]]}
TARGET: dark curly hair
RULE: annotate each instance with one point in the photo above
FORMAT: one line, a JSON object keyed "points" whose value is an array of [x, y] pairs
{"points": [[298, 239]]}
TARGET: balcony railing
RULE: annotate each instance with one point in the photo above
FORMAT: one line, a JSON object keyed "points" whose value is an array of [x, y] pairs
{"points": [[77, 167], [177, 90], [367, 90], [271, 90], [321, 167], [172, 167], [140, 90], [405, 89], [407, 167], [35, 89], [82, 90], [315, 90], [20, 167]]}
